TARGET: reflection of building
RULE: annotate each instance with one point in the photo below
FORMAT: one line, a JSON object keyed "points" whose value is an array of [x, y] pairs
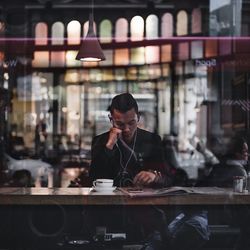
{"points": [[225, 18], [162, 55]]}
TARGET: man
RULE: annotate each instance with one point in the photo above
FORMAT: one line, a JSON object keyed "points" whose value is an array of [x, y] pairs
{"points": [[126, 153], [131, 157]]}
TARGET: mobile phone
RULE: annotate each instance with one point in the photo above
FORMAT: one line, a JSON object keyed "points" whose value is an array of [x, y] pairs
{"points": [[135, 190]]}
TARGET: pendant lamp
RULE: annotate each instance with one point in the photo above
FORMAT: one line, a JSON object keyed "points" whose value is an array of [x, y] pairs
{"points": [[90, 50]]}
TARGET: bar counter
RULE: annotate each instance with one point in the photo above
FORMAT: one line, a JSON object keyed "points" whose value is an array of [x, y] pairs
{"points": [[85, 196]]}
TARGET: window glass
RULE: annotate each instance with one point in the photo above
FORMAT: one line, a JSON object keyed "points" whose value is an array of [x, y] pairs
{"points": [[109, 57], [72, 76], [189, 67], [41, 34], [182, 23], [57, 33], [132, 73], [154, 71], [74, 32], [211, 48], [41, 59], [225, 46], [183, 51], [106, 31], [71, 59], [96, 75], [152, 27], [196, 21], [121, 57], [120, 74], [179, 68], [164, 107], [167, 25], [2, 27], [57, 59], [166, 53], [84, 75], [143, 73], [137, 28], [76, 76], [196, 49], [1, 58], [108, 75], [152, 54], [137, 55], [121, 30], [73, 110], [165, 70]]}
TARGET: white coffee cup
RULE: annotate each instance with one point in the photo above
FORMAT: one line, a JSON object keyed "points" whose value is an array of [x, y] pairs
{"points": [[103, 183]]}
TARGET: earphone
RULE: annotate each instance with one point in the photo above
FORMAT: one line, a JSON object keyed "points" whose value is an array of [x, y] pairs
{"points": [[123, 170]]}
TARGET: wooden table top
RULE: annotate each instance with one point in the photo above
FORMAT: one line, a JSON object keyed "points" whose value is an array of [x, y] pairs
{"points": [[86, 196]]}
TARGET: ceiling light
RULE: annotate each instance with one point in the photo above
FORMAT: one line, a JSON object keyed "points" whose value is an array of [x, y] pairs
{"points": [[90, 50]]}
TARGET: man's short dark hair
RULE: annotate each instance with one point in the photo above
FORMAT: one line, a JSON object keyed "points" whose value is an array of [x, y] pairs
{"points": [[236, 145], [123, 103]]}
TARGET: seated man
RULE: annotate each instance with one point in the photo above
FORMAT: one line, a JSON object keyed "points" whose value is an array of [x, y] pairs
{"points": [[126, 153], [222, 175], [131, 157], [234, 164]]}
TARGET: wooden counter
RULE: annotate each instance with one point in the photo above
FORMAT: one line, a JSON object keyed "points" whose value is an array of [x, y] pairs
{"points": [[85, 196]]}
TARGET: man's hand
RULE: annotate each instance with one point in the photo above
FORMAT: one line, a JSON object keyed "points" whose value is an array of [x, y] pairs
{"points": [[114, 134], [144, 178]]}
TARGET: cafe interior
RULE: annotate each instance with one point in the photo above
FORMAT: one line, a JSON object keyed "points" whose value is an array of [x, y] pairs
{"points": [[185, 62]]}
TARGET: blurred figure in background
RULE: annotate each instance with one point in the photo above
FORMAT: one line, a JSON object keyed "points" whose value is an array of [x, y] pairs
{"points": [[235, 163], [40, 139], [21, 178], [180, 177]]}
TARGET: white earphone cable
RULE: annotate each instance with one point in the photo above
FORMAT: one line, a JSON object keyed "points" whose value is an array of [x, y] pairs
{"points": [[124, 167]]}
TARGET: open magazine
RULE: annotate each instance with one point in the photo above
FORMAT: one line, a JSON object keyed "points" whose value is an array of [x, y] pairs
{"points": [[144, 192], [137, 192]]}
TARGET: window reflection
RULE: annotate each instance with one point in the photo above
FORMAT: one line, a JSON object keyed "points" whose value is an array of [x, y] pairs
{"points": [[137, 28], [152, 27], [121, 30], [57, 59], [152, 54], [57, 33], [182, 23], [41, 59], [196, 21], [167, 25], [41, 34], [121, 57], [138, 55], [74, 32], [73, 103], [106, 31]]}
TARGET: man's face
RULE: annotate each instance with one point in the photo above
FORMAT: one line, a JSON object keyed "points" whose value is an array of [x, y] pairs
{"points": [[127, 122], [243, 155]]}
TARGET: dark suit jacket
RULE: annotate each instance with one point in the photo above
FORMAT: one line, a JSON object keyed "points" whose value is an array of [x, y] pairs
{"points": [[110, 163]]}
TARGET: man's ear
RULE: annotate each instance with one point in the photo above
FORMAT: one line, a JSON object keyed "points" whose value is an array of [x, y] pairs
{"points": [[138, 116]]}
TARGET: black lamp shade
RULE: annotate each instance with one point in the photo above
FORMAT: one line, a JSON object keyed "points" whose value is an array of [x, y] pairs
{"points": [[90, 50]]}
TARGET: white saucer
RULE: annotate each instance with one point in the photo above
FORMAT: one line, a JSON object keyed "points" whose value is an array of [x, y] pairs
{"points": [[104, 190]]}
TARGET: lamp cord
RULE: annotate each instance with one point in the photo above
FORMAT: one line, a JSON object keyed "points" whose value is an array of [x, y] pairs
{"points": [[92, 8], [91, 19]]}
